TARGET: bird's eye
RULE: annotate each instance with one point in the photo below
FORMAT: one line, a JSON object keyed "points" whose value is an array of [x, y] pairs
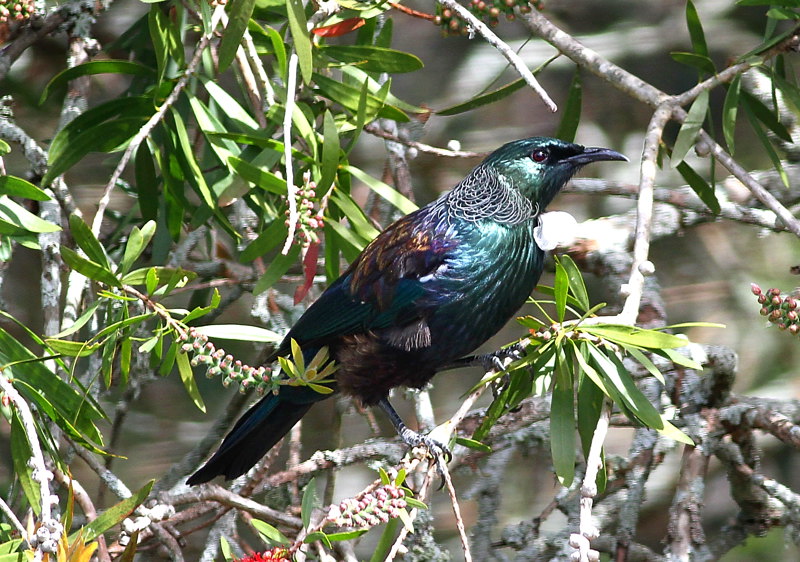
{"points": [[540, 155]]}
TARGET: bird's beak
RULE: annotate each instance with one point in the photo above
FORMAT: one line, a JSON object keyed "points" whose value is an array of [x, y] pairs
{"points": [[594, 154]]}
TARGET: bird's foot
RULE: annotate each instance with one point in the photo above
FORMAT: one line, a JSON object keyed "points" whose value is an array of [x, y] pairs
{"points": [[439, 452], [498, 360]]}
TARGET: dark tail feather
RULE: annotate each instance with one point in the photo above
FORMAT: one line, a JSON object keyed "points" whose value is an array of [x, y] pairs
{"points": [[258, 430]]}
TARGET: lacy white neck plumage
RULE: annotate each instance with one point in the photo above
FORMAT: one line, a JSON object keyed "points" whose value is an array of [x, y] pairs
{"points": [[485, 195]]}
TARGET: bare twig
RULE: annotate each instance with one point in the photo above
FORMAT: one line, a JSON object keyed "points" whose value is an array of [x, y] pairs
{"points": [[511, 56], [462, 532], [291, 189], [145, 131]]}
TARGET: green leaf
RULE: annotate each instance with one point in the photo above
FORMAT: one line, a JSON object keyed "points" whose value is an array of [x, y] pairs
{"points": [[138, 240], [146, 183], [690, 127], [346, 535], [637, 354], [483, 99], [193, 172], [18, 187], [71, 145], [89, 268], [651, 339], [302, 43], [240, 12], [280, 265], [330, 154], [86, 241], [576, 284], [269, 533], [270, 237], [239, 332], [16, 219], [374, 59], [562, 424], [5, 148], [382, 549], [704, 190], [679, 358], [157, 276], [263, 179], [348, 97], [309, 503], [474, 445], [669, 430], [590, 405], [72, 348], [115, 515], [766, 143], [166, 39], [696, 30], [279, 48], [766, 116], [95, 67], [228, 104], [693, 60], [21, 453], [571, 117], [187, 377], [561, 286], [383, 190], [355, 215], [729, 111]]}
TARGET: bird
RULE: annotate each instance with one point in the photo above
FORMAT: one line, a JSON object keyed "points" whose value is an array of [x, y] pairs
{"points": [[428, 290]]}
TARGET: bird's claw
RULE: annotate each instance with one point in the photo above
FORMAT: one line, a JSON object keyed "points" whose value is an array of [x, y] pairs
{"points": [[496, 361], [438, 451]]}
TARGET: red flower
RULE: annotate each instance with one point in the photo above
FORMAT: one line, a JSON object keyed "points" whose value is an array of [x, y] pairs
{"points": [[276, 554]]}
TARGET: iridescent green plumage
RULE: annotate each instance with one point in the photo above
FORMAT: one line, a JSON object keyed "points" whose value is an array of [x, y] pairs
{"points": [[429, 289]]}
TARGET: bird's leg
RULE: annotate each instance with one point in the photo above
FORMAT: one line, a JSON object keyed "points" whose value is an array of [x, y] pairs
{"points": [[437, 450]]}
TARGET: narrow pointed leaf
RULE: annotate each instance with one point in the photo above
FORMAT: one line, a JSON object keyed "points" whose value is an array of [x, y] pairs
{"points": [[561, 287], [89, 268], [280, 265], [95, 67], [239, 332], [240, 12], [691, 126], [696, 30], [483, 99], [187, 378], [86, 241], [576, 283], [701, 187], [570, 119], [18, 187], [302, 43], [309, 502], [116, 514], [562, 425], [385, 191], [374, 59]]}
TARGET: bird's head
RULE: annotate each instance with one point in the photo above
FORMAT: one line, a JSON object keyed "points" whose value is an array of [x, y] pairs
{"points": [[540, 166]]}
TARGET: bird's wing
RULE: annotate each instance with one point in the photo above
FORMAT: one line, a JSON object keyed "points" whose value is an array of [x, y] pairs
{"points": [[384, 288]]}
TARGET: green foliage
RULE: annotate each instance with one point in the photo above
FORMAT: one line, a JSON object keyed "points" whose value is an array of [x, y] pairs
{"points": [[582, 359]]}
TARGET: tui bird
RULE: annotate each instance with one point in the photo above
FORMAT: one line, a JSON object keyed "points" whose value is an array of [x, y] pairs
{"points": [[428, 290]]}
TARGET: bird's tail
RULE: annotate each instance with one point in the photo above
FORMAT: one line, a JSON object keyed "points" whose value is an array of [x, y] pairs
{"points": [[258, 430]]}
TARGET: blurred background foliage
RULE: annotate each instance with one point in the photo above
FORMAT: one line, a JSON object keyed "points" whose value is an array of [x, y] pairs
{"points": [[211, 177]]}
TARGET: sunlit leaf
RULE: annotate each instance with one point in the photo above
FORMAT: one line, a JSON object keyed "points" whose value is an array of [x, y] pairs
{"points": [[385, 191], [89, 268], [374, 59], [239, 332], [18, 187], [562, 424], [86, 241], [302, 43], [690, 127], [115, 515], [696, 29], [269, 533], [187, 378], [16, 219], [240, 12]]}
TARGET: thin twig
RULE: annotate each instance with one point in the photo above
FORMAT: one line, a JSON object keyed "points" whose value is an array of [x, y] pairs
{"points": [[374, 129], [145, 131], [594, 462], [291, 189], [511, 56], [462, 532], [644, 214]]}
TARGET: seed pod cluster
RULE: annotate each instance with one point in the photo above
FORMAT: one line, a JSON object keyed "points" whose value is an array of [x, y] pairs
{"points": [[486, 10], [779, 309]]}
